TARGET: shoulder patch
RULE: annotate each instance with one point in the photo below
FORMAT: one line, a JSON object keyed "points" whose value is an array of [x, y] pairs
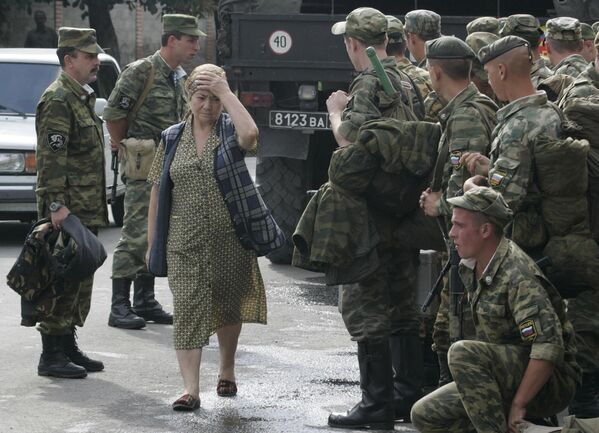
{"points": [[57, 141], [125, 102], [497, 178], [454, 159], [528, 331]]}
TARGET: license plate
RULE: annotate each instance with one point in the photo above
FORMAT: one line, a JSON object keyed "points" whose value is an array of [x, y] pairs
{"points": [[299, 120]]}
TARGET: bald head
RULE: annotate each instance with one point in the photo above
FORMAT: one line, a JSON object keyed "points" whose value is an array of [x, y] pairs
{"points": [[509, 73]]}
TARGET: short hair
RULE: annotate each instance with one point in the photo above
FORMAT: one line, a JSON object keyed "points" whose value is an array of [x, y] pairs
{"points": [[396, 48], [425, 38], [481, 219], [164, 39], [364, 44], [564, 47], [65, 51], [456, 69]]}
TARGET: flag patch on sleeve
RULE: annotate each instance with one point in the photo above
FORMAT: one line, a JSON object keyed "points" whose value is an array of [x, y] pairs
{"points": [[454, 158], [497, 178], [528, 331]]}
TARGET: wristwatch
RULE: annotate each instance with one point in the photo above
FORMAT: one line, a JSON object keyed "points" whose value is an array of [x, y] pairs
{"points": [[54, 207]]}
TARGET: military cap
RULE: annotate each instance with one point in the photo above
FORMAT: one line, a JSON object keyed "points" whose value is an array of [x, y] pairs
{"points": [[595, 27], [81, 39], [586, 32], [395, 30], [423, 22], [563, 28], [597, 41], [524, 25], [368, 25], [185, 24], [476, 41], [500, 47], [448, 47], [483, 24], [487, 201]]}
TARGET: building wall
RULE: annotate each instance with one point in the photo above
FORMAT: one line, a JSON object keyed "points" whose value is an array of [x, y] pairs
{"points": [[14, 32]]}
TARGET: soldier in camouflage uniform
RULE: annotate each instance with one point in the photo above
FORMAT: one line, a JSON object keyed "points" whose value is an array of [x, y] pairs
{"points": [[163, 106], [479, 77], [564, 46], [483, 24], [379, 312], [526, 118], [70, 178], [528, 28], [587, 34], [467, 122], [522, 362], [421, 25]]}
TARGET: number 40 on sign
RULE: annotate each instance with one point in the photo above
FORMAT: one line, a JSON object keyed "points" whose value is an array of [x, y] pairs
{"points": [[280, 42]]}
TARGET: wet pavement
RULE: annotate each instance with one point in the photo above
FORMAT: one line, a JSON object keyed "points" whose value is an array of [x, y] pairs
{"points": [[291, 373]]}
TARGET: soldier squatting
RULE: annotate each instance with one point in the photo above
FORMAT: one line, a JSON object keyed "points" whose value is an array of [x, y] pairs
{"points": [[487, 118]]}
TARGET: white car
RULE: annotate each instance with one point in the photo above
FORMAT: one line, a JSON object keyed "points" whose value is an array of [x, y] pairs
{"points": [[25, 73]]}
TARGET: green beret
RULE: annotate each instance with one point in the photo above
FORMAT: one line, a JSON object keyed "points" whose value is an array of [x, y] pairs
{"points": [[365, 24], [483, 24], [500, 47], [524, 25], [395, 30], [81, 39], [487, 201], [563, 28], [185, 24], [448, 47], [423, 22], [586, 32]]}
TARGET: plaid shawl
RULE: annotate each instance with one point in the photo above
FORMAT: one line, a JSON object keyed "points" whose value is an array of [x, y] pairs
{"points": [[254, 225]]}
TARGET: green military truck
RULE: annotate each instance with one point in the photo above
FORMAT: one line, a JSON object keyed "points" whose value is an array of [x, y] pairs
{"points": [[283, 62]]}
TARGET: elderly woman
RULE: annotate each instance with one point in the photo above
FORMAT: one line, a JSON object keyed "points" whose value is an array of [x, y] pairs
{"points": [[216, 282]]}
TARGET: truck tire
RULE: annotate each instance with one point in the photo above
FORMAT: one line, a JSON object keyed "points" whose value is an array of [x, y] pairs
{"points": [[118, 209], [281, 182]]}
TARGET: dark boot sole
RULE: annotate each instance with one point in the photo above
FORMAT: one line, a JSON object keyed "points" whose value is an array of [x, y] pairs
{"points": [[156, 319], [64, 376], [372, 426], [115, 324]]}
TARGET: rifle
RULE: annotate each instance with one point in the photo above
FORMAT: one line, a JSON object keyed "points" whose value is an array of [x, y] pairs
{"points": [[114, 166]]}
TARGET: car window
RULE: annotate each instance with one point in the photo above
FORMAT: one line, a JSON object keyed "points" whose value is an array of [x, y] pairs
{"points": [[23, 85], [106, 81]]}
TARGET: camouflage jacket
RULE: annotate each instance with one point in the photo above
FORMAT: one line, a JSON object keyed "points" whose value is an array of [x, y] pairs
{"points": [[163, 106], [70, 152], [420, 76], [587, 84], [368, 100], [467, 122], [572, 65], [513, 303], [512, 169], [539, 72]]}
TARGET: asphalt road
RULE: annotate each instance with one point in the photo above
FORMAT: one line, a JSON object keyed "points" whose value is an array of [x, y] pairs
{"points": [[291, 373]]}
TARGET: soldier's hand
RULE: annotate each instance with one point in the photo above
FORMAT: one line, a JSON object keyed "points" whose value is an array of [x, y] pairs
{"points": [[429, 201], [475, 181], [337, 102], [59, 216], [114, 145], [516, 418], [476, 163]]}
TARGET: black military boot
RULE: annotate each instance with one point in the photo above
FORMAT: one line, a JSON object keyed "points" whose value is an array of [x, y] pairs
{"points": [[54, 362], [375, 411], [145, 304], [121, 315], [445, 376], [586, 400], [69, 345], [408, 366]]}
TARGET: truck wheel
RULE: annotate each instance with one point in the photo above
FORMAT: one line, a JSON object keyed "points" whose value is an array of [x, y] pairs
{"points": [[118, 209], [281, 182]]}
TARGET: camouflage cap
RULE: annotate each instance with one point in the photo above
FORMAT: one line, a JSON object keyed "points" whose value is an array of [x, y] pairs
{"points": [[563, 28], [81, 39], [597, 41], [448, 47], [483, 24], [500, 47], [487, 201], [423, 22], [523, 25], [595, 27], [395, 31], [368, 25], [586, 32], [185, 24], [476, 41]]}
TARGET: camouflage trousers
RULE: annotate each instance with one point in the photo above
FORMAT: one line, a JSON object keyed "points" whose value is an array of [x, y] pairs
{"points": [[383, 304], [487, 377], [583, 312], [128, 260]]}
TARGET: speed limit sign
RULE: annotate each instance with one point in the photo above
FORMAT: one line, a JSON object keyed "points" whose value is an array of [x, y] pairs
{"points": [[280, 42]]}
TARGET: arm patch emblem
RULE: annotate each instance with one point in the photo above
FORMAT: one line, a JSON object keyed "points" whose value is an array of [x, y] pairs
{"points": [[454, 158], [497, 178], [125, 102], [57, 141], [528, 331]]}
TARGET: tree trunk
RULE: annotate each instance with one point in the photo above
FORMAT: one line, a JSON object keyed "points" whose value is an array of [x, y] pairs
{"points": [[99, 19]]}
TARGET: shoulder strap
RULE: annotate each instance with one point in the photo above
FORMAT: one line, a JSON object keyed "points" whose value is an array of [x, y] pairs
{"points": [[149, 81]]}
